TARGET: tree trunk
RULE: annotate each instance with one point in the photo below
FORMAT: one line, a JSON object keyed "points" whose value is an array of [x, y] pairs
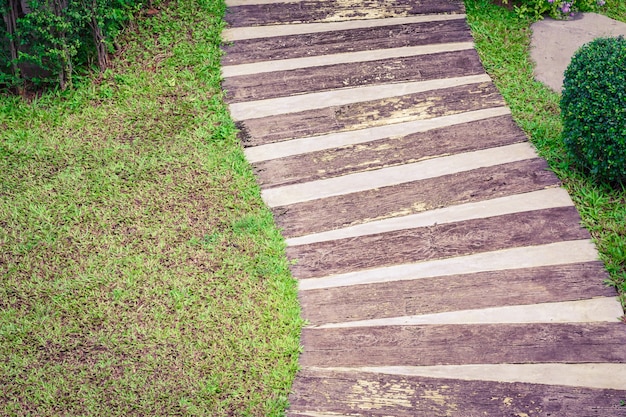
{"points": [[10, 19], [98, 38], [65, 75]]}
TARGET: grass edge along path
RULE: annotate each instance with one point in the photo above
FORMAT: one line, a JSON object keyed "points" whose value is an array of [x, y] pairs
{"points": [[503, 42], [141, 272]]}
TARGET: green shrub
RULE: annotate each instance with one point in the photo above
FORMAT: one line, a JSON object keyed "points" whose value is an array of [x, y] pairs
{"points": [[557, 9], [44, 41], [593, 108]]}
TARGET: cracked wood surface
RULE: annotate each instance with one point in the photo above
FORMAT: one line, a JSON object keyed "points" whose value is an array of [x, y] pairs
{"points": [[418, 106], [462, 344], [328, 77], [414, 197], [436, 242], [524, 286], [482, 134], [352, 40], [366, 394], [335, 10]]}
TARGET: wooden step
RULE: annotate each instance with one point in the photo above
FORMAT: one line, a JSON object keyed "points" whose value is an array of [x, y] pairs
{"points": [[256, 13]]}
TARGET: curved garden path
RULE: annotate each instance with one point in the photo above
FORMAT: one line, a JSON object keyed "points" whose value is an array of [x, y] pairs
{"points": [[442, 269]]}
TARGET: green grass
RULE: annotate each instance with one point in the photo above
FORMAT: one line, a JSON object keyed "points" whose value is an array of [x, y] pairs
{"points": [[141, 272], [503, 41]]}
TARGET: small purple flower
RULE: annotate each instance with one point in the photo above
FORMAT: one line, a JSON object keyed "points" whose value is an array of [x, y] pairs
{"points": [[550, 1], [601, 3]]}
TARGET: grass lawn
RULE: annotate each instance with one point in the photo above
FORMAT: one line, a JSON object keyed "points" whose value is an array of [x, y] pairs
{"points": [[503, 41], [141, 272]]}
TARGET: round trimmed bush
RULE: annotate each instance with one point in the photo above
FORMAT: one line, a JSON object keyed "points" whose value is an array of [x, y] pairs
{"points": [[593, 108]]}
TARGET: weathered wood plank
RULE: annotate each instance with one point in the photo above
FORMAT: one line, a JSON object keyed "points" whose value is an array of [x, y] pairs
{"points": [[417, 106], [305, 80], [436, 242], [335, 10], [414, 197], [454, 293], [342, 97], [232, 34], [348, 40], [368, 394], [482, 134], [458, 344], [356, 137]]}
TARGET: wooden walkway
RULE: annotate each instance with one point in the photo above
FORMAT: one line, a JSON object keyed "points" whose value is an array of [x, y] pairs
{"points": [[442, 269]]}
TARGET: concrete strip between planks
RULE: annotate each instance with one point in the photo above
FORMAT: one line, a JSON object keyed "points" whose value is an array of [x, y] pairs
{"points": [[588, 375], [602, 309], [536, 200], [340, 97], [341, 58], [355, 137], [369, 180]]}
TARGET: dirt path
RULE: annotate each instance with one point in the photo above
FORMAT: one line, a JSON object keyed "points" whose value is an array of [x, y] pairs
{"points": [[442, 269]]}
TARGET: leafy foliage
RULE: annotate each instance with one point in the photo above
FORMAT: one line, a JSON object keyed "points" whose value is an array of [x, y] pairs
{"points": [[557, 9], [593, 108], [43, 41]]}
